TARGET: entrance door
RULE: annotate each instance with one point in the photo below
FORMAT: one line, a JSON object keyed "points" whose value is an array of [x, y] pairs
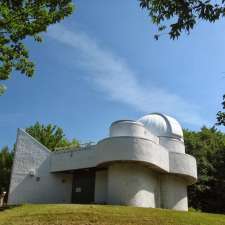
{"points": [[83, 186]]}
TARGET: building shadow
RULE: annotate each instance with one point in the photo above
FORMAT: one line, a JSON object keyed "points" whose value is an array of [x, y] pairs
{"points": [[5, 207]]}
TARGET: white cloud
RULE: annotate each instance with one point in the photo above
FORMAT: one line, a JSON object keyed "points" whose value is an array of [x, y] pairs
{"points": [[112, 75]]}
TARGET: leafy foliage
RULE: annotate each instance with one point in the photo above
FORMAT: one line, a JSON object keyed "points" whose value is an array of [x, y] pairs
{"points": [[51, 136], [221, 115], [20, 19], [6, 159], [182, 15], [208, 146]]}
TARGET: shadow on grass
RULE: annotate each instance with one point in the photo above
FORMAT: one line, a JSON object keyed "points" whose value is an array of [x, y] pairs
{"points": [[3, 208]]}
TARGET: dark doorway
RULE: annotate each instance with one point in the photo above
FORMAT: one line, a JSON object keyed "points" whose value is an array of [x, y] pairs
{"points": [[83, 186]]}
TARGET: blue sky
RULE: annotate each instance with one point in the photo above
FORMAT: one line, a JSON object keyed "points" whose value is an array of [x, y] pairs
{"points": [[103, 64]]}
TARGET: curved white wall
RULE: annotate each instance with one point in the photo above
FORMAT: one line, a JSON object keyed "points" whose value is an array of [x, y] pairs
{"points": [[145, 152], [130, 128], [173, 193], [141, 150], [101, 186], [183, 164], [134, 165], [172, 144], [132, 184]]}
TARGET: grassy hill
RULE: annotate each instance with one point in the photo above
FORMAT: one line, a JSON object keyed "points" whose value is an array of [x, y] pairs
{"points": [[103, 215]]}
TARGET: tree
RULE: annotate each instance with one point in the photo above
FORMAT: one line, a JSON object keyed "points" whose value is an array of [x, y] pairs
{"points": [[208, 147], [177, 16], [221, 115], [20, 19], [6, 159], [51, 136]]}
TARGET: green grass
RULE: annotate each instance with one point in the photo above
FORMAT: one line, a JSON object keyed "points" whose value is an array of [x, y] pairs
{"points": [[103, 215]]}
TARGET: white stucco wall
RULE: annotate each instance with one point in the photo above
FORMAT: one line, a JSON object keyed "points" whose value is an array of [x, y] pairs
{"points": [[101, 180], [144, 151], [43, 187], [73, 159], [131, 149], [183, 165], [172, 144], [132, 184], [132, 129], [173, 193]]}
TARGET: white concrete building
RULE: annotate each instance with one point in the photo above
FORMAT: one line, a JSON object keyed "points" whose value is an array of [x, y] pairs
{"points": [[142, 163]]}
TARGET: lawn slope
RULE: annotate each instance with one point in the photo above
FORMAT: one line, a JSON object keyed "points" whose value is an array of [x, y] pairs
{"points": [[103, 215]]}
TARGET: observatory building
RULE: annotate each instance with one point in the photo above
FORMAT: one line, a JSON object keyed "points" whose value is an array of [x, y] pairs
{"points": [[142, 163]]}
